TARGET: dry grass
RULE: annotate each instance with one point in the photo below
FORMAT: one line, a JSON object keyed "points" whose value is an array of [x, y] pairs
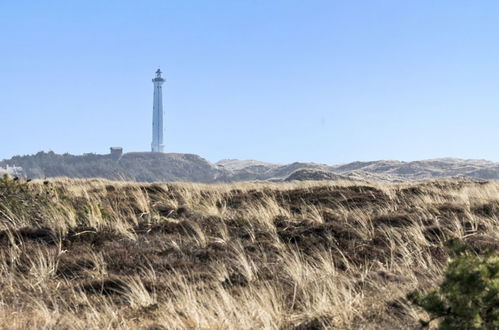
{"points": [[96, 254]]}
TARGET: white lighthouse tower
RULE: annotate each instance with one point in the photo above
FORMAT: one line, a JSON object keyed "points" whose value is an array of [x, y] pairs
{"points": [[157, 114]]}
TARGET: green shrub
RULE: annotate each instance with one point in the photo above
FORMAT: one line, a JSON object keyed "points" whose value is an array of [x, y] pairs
{"points": [[468, 298]]}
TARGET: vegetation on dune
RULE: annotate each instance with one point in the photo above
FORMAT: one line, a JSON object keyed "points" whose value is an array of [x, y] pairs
{"points": [[138, 166], [468, 297], [154, 167], [93, 254]]}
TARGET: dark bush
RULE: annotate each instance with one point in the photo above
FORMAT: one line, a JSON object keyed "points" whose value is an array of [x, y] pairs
{"points": [[468, 298]]}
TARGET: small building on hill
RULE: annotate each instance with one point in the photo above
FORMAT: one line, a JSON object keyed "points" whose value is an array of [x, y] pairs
{"points": [[116, 152]]}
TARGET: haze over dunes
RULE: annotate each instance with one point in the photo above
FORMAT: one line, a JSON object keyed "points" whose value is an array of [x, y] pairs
{"points": [[94, 254], [150, 167]]}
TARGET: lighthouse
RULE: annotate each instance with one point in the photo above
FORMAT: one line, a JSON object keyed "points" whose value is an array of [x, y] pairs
{"points": [[157, 114]]}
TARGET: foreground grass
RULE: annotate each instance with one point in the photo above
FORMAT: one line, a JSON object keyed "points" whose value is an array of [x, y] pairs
{"points": [[96, 254]]}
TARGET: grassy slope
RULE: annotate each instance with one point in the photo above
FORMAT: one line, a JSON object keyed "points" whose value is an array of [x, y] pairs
{"points": [[134, 166], [97, 254]]}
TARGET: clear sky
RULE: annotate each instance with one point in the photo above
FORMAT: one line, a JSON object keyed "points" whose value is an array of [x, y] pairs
{"points": [[324, 81]]}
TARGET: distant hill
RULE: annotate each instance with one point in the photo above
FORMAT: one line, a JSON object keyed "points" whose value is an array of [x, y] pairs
{"points": [[149, 167], [135, 166], [307, 174]]}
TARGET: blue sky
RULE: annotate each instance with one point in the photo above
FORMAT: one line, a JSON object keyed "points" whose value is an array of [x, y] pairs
{"points": [[281, 81]]}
